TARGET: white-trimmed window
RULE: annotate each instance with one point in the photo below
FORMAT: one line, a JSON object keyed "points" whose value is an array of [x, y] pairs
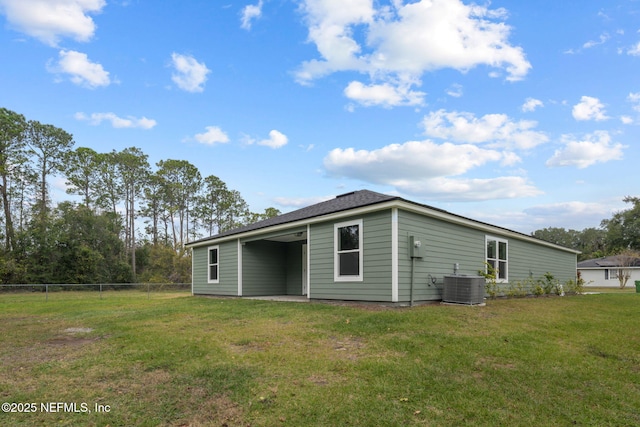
{"points": [[498, 257], [213, 264], [347, 241]]}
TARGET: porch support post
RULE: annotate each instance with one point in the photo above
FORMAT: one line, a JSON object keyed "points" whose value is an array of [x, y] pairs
{"points": [[394, 254], [239, 268], [308, 261]]}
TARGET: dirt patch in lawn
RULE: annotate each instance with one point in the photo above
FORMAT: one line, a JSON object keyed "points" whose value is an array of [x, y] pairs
{"points": [[70, 341], [73, 337], [218, 411]]}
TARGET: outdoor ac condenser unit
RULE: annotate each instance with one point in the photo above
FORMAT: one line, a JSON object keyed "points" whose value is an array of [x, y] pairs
{"points": [[462, 289]]}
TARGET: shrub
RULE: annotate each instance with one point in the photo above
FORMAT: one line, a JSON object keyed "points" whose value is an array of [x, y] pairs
{"points": [[575, 287], [491, 275], [550, 284], [538, 289], [518, 289]]}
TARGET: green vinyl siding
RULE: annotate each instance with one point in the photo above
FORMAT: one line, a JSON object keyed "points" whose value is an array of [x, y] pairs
{"points": [[376, 268], [227, 270], [530, 260], [445, 244]]}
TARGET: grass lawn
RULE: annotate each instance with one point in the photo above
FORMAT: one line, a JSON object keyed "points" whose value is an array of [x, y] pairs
{"points": [[178, 360]]}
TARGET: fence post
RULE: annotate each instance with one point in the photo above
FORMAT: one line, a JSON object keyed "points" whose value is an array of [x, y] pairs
{"points": [[100, 290], [46, 288], [148, 290]]}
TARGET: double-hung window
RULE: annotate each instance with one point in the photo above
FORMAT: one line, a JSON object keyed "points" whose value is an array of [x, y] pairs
{"points": [[348, 251], [213, 264], [498, 257], [611, 274]]}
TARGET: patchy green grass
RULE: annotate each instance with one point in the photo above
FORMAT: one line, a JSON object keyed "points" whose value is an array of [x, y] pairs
{"points": [[178, 360]]}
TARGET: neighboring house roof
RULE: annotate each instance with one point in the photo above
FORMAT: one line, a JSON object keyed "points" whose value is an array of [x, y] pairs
{"points": [[606, 262], [356, 200]]}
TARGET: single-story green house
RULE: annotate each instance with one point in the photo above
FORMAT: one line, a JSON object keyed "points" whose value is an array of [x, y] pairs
{"points": [[367, 246]]}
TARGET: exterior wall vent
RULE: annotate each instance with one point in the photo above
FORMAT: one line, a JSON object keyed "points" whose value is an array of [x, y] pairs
{"points": [[461, 289], [345, 194]]}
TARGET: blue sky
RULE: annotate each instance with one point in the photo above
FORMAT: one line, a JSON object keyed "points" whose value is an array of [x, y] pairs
{"points": [[521, 114]]}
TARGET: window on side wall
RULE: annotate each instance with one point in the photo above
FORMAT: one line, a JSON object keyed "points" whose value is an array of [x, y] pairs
{"points": [[611, 274], [498, 257], [213, 264], [348, 251]]}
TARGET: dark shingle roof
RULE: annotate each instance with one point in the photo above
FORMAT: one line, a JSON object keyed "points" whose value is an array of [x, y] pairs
{"points": [[606, 262], [343, 202]]}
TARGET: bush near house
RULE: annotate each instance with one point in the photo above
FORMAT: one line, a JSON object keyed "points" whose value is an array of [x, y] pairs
{"points": [[546, 285]]}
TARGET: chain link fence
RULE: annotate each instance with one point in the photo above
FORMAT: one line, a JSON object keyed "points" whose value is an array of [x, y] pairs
{"points": [[48, 289]]}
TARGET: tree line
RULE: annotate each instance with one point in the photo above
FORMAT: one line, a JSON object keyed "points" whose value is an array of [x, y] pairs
{"points": [[130, 221], [617, 235]]}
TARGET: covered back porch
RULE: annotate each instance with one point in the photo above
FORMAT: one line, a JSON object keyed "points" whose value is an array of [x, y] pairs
{"points": [[275, 264]]}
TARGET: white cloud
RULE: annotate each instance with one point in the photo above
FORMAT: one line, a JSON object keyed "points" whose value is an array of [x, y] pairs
{"points": [[82, 71], [386, 95], [250, 13], [530, 104], [413, 159], [593, 148], [469, 190], [403, 41], [213, 135], [589, 108], [498, 130], [50, 20], [455, 90], [575, 215], [117, 122], [634, 50], [189, 75], [634, 99], [330, 29], [592, 43], [428, 169], [571, 208], [276, 140], [450, 34]]}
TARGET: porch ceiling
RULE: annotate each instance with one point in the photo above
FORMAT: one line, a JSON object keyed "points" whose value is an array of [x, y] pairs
{"points": [[291, 237]]}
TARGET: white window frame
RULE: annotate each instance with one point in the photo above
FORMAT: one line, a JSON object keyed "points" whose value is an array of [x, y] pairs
{"points": [[209, 264], [497, 260], [336, 254]]}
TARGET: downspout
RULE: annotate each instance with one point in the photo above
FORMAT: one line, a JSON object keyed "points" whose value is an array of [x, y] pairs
{"points": [[413, 267]]}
